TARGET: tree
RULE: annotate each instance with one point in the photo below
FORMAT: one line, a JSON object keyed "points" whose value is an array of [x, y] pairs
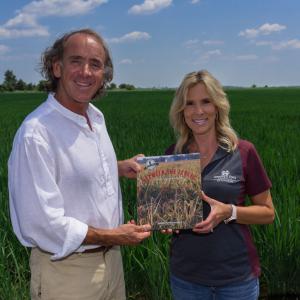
{"points": [[253, 86], [122, 86], [42, 85], [30, 86], [130, 87], [21, 85], [10, 80], [126, 86], [112, 86]]}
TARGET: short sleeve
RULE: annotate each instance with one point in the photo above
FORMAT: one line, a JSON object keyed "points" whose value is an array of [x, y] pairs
{"points": [[170, 150], [256, 178]]}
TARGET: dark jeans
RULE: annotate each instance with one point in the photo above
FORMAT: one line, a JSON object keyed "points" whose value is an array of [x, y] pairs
{"points": [[244, 290]]}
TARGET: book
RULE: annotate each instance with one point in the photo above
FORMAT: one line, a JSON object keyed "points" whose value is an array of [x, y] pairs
{"points": [[169, 191]]}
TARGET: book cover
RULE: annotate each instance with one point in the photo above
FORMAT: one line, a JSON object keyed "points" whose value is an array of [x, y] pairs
{"points": [[169, 191]]}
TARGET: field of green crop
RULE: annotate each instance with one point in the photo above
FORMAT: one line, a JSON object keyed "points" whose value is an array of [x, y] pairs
{"points": [[138, 123]]}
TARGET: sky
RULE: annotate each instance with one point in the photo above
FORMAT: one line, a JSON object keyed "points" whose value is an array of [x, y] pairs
{"points": [[154, 43]]}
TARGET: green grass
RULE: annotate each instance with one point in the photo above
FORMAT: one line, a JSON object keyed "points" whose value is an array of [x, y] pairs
{"points": [[138, 123]]}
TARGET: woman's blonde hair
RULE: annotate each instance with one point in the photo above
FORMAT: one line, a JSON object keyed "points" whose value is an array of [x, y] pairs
{"points": [[226, 136]]}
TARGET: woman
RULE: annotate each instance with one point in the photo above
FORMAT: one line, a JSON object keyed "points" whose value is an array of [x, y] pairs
{"points": [[217, 259]]}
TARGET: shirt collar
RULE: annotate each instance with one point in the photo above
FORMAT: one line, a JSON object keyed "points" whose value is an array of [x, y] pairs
{"points": [[220, 153], [94, 114]]}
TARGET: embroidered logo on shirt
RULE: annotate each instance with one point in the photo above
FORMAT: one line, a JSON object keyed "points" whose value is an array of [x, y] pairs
{"points": [[225, 177]]}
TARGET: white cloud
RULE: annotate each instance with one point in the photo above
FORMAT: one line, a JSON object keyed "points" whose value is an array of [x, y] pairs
{"points": [[191, 43], [291, 44], [214, 52], [213, 42], [267, 28], [22, 19], [209, 54], [129, 37], [3, 49], [247, 57], [249, 33], [19, 58], [194, 1], [126, 61], [196, 42], [27, 32], [264, 29], [61, 7], [264, 43], [272, 59], [149, 7], [25, 23]]}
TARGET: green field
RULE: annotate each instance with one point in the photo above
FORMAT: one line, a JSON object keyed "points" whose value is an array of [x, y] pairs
{"points": [[137, 122]]}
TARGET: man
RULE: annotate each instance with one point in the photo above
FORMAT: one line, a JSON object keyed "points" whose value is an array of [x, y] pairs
{"points": [[65, 199]]}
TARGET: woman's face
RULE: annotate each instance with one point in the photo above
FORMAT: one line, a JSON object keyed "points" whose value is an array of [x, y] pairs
{"points": [[200, 112]]}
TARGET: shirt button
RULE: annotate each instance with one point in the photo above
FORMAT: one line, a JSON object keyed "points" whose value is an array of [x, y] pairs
{"points": [[102, 180]]}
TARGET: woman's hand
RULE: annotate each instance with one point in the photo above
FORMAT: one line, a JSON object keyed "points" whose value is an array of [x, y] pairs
{"points": [[219, 212], [169, 231]]}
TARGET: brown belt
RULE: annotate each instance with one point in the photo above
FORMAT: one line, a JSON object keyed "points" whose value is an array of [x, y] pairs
{"points": [[103, 249], [99, 249]]}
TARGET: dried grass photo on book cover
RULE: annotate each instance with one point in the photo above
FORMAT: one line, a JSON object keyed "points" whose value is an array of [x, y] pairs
{"points": [[169, 191]]}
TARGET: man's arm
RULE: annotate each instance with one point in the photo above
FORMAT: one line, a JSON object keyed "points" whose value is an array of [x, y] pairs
{"points": [[126, 234], [129, 167], [36, 203]]}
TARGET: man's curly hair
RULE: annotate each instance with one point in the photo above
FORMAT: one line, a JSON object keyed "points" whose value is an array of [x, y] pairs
{"points": [[56, 52]]}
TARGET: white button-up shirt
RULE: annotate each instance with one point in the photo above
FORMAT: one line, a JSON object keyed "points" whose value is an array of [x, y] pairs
{"points": [[62, 178]]}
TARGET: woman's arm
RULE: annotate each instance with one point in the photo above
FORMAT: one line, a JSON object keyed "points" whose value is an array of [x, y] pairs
{"points": [[260, 212]]}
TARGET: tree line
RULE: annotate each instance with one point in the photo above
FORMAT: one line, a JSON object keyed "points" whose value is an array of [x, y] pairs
{"points": [[11, 84]]}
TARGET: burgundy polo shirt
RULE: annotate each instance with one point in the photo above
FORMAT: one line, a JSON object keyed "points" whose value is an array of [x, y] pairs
{"points": [[226, 255]]}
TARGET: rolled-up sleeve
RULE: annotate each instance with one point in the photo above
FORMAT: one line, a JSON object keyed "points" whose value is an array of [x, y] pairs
{"points": [[36, 203]]}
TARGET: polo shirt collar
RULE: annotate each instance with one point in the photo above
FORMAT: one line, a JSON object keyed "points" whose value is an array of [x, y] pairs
{"points": [[220, 153]]}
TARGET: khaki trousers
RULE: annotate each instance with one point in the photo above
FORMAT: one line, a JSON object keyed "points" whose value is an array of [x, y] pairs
{"points": [[89, 276]]}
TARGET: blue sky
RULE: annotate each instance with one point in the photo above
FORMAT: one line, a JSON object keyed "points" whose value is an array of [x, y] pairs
{"points": [[156, 42]]}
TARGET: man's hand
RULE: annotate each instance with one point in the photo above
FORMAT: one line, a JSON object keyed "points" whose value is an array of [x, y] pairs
{"points": [[129, 167], [126, 234], [130, 234]]}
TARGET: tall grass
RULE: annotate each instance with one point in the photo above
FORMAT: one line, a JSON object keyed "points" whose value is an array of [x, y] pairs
{"points": [[270, 118], [138, 123], [14, 272]]}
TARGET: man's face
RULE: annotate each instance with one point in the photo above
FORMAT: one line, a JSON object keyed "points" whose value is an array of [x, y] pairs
{"points": [[80, 72]]}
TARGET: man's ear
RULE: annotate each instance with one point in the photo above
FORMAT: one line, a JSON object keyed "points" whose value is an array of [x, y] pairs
{"points": [[56, 67]]}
